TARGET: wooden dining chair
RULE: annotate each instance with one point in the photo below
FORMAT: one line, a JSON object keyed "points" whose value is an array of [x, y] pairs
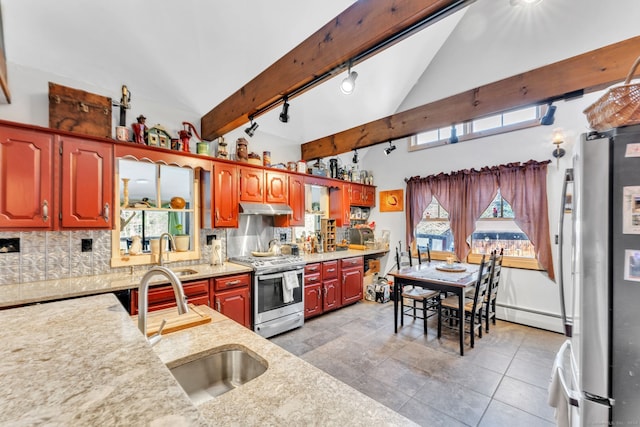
{"points": [[492, 293], [429, 299], [473, 307]]}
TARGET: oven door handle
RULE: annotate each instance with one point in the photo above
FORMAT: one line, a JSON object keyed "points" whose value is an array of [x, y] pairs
{"points": [[273, 276]]}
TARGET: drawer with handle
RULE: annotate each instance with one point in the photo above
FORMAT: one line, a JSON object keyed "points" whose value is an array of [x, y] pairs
{"points": [[230, 282]]}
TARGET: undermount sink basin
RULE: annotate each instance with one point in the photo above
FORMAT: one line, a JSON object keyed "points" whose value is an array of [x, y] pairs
{"points": [[184, 271], [218, 373]]}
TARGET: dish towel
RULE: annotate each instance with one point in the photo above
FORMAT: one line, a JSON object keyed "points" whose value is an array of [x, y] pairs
{"points": [[289, 283]]}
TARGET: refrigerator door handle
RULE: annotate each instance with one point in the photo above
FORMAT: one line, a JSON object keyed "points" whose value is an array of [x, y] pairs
{"points": [[559, 390], [568, 324]]}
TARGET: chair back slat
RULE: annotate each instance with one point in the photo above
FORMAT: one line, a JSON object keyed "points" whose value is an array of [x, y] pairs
{"points": [[482, 284]]}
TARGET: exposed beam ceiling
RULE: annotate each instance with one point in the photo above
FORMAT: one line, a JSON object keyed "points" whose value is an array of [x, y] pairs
{"points": [[590, 71], [359, 29]]}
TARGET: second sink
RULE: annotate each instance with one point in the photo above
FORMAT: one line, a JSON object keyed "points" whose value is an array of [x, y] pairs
{"points": [[218, 373]]}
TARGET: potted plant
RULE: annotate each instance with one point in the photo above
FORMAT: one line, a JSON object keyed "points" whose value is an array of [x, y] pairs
{"points": [[181, 239]]}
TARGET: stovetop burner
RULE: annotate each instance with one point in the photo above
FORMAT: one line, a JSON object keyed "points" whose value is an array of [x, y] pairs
{"points": [[271, 264]]}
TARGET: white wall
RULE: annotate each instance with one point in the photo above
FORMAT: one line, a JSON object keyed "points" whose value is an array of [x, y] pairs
{"points": [[529, 290], [30, 101]]}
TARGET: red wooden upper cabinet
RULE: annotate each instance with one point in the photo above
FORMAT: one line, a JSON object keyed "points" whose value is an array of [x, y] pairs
{"points": [[251, 184], [225, 195], [277, 187], [339, 205], [369, 195], [296, 199], [87, 184], [26, 179]]}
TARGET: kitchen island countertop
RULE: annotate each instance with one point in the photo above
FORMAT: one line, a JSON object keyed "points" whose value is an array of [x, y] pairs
{"points": [[84, 362]]}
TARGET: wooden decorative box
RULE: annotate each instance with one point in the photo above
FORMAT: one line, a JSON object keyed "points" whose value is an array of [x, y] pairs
{"points": [[78, 111]]}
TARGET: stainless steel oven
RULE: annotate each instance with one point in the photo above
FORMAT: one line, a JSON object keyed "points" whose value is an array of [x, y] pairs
{"points": [[275, 311], [278, 293]]}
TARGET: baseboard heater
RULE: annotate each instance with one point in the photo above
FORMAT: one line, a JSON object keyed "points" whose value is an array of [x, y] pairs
{"points": [[528, 310]]}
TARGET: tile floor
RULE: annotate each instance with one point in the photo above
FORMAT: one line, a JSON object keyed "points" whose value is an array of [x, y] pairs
{"points": [[501, 382]]}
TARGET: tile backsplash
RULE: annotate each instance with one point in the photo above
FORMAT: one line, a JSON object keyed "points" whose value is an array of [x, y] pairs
{"points": [[50, 255]]}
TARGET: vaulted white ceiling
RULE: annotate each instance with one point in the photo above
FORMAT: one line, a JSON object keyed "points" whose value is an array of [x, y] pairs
{"points": [[192, 54]]}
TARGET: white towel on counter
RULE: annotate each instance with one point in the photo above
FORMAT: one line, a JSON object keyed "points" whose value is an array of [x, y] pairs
{"points": [[289, 283]]}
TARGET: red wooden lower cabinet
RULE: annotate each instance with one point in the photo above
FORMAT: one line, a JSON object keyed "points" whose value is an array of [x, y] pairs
{"points": [[312, 300], [161, 297], [231, 296], [351, 275], [331, 295], [235, 304]]}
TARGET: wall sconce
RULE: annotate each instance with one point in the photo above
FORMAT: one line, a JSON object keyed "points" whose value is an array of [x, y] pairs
{"points": [[349, 83], [549, 116], [389, 149], [252, 128], [284, 115], [558, 138], [454, 135]]}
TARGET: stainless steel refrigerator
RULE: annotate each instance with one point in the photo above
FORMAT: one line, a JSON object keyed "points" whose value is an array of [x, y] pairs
{"points": [[597, 370]]}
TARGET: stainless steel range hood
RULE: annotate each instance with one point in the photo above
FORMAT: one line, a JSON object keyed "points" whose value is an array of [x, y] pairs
{"points": [[247, 208]]}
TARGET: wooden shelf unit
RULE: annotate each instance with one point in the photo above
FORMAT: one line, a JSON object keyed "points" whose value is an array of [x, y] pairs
{"points": [[328, 230]]}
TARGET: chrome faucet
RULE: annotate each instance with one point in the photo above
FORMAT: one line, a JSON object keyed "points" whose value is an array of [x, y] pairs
{"points": [[172, 244], [143, 298]]}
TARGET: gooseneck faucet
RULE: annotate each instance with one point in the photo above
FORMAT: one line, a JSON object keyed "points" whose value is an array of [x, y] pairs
{"points": [[172, 245], [143, 298]]}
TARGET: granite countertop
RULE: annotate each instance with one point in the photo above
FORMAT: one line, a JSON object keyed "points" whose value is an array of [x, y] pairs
{"points": [[49, 290], [111, 376]]}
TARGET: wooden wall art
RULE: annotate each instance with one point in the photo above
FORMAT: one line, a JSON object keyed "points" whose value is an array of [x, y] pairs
{"points": [[391, 201]]}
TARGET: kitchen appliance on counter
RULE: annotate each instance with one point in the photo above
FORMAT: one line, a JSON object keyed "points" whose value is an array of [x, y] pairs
{"points": [[594, 379], [360, 236], [278, 297]]}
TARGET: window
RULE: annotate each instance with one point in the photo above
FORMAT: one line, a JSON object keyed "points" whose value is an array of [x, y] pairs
{"points": [[477, 128], [434, 230], [495, 230], [154, 198]]}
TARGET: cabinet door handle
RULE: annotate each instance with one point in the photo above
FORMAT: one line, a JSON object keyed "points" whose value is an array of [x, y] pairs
{"points": [[106, 212], [232, 282], [218, 306], [45, 211], [217, 214]]}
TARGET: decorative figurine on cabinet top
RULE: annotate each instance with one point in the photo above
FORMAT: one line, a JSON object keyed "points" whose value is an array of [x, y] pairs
{"points": [[242, 153], [140, 130]]}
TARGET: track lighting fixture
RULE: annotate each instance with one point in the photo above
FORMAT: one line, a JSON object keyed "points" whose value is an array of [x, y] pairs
{"points": [[349, 83], [389, 149], [548, 118], [355, 157], [454, 135], [284, 115], [252, 128]]}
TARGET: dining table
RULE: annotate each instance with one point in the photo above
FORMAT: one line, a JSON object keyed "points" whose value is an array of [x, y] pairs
{"points": [[457, 278]]}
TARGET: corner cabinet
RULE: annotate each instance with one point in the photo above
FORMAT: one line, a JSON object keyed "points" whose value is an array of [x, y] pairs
{"points": [[50, 181]]}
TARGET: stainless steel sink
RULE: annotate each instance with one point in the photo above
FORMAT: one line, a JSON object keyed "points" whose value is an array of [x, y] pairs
{"points": [[218, 373], [184, 271]]}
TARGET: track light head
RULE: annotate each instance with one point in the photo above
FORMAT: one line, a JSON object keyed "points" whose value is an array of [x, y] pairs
{"points": [[252, 128], [389, 149], [549, 116], [355, 157], [349, 83], [284, 115]]}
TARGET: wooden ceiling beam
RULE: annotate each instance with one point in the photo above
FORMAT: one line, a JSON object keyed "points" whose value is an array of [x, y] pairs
{"points": [[361, 27], [590, 71]]}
